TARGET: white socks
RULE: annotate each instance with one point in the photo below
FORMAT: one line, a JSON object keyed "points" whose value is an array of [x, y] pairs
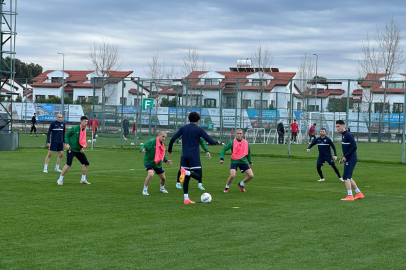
{"points": [[83, 177], [199, 185], [227, 186], [145, 188], [45, 166], [61, 178], [349, 192], [242, 183], [186, 196], [163, 187], [357, 190], [56, 167]]}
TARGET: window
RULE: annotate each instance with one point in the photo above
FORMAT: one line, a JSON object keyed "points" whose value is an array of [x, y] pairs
{"points": [[123, 101], [56, 79], [398, 85], [81, 99], [299, 106], [137, 103], [96, 99], [258, 103], [397, 108], [256, 82], [379, 106], [106, 100], [311, 108], [209, 82], [70, 95], [210, 103], [39, 97], [230, 102], [51, 96], [246, 103], [273, 104]]}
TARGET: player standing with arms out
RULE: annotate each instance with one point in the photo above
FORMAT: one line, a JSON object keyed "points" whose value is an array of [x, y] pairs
{"points": [[324, 143], [94, 123], [240, 157], [154, 150], [190, 160], [75, 140], [295, 130], [33, 123], [57, 131], [203, 145], [349, 159], [312, 136]]}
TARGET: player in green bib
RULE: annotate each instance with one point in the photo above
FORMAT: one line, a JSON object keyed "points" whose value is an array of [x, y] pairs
{"points": [[240, 157], [203, 145], [154, 155]]}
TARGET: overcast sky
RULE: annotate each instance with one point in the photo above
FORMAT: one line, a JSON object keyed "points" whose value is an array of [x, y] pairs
{"points": [[222, 31]]}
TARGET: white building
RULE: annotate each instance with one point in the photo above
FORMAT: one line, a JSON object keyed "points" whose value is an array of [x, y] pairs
{"points": [[14, 87], [373, 92], [79, 86]]}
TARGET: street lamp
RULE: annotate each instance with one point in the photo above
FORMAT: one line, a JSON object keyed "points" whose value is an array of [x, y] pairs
{"points": [[63, 84], [315, 90]]}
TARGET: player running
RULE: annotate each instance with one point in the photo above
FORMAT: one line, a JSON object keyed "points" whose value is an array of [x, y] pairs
{"points": [[350, 160], [240, 157], [57, 131], [203, 145], [190, 160], [154, 150], [324, 143]]}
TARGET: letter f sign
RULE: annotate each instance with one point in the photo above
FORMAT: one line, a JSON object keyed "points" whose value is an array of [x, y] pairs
{"points": [[147, 103]]}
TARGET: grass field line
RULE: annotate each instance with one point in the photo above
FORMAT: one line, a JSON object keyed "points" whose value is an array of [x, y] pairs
{"points": [[334, 191]]}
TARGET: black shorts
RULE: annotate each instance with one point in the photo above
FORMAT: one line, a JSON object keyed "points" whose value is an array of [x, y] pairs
{"points": [[329, 160], [348, 169], [55, 146], [190, 163], [80, 156], [243, 166], [157, 170]]}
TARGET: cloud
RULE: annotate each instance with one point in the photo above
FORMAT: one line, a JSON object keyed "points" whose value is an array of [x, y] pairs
{"points": [[222, 31]]}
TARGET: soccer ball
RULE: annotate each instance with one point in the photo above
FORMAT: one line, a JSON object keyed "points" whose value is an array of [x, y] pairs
{"points": [[89, 141], [141, 144], [132, 143], [206, 198], [96, 136]]}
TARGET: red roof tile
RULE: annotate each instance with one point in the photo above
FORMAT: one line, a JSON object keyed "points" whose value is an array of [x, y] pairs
{"points": [[357, 92], [330, 92], [134, 92]]}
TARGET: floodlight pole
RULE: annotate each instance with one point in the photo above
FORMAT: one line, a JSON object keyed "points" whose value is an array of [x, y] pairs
{"points": [[315, 90], [63, 85]]}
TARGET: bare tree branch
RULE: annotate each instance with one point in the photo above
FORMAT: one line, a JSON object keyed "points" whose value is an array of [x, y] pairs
{"points": [[193, 62]]}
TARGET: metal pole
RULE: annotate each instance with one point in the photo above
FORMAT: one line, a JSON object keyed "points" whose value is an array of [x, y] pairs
{"points": [[177, 101], [348, 104], [136, 115], [63, 85], [150, 113], [122, 113], [187, 96], [26, 100], [94, 101], [236, 105], [315, 90], [221, 112], [290, 114], [201, 94], [404, 122]]}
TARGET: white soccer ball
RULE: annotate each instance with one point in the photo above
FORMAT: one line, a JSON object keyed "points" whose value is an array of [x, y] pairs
{"points": [[96, 136], [141, 144], [89, 141], [206, 198], [132, 143]]}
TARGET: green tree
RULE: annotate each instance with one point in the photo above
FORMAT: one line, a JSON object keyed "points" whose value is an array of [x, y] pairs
{"points": [[168, 103], [338, 105], [19, 99], [23, 70]]}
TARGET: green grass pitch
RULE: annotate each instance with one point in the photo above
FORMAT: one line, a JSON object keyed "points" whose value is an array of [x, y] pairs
{"points": [[285, 220]]}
